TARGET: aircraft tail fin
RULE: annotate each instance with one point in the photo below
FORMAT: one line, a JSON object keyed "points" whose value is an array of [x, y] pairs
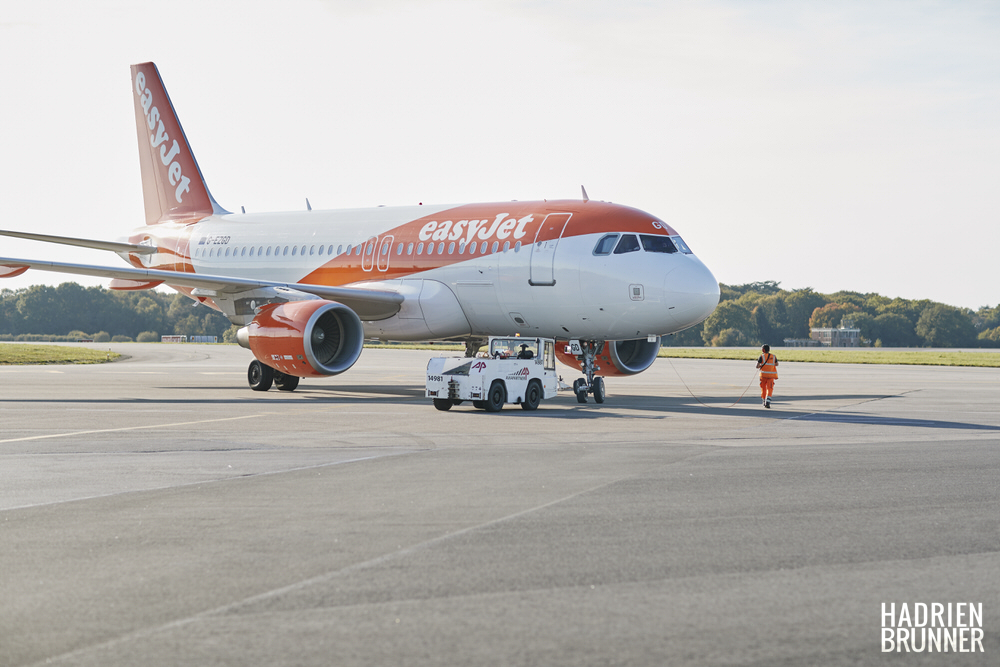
{"points": [[173, 188]]}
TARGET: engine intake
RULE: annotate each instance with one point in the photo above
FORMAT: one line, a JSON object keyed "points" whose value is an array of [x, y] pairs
{"points": [[305, 338], [618, 357]]}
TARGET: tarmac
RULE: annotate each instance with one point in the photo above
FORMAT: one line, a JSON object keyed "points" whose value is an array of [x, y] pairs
{"points": [[155, 511]]}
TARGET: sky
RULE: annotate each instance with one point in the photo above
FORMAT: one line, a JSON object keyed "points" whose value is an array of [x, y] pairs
{"points": [[838, 146]]}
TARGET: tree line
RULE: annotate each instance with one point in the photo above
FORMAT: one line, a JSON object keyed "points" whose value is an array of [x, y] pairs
{"points": [[748, 314], [71, 311], [762, 312]]}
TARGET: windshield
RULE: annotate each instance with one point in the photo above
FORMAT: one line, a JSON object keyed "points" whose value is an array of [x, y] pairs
{"points": [[652, 243], [683, 247], [606, 244], [628, 244], [514, 348]]}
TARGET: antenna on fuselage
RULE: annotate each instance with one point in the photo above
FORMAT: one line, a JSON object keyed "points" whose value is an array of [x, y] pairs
{"points": [[308, 205], [585, 196]]}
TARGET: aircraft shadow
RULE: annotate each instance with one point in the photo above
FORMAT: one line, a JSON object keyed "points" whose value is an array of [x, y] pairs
{"points": [[563, 407]]}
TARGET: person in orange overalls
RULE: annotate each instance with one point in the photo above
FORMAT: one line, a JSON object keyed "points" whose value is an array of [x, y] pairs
{"points": [[768, 365]]}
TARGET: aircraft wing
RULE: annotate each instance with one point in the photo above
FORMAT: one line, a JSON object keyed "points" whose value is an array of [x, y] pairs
{"points": [[82, 243], [369, 304]]}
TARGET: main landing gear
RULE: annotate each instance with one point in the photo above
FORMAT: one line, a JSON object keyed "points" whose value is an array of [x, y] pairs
{"points": [[589, 384], [261, 376]]}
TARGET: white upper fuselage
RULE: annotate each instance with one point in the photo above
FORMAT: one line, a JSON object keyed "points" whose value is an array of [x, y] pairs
{"points": [[482, 269]]}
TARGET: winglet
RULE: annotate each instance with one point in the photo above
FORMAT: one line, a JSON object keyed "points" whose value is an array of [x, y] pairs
{"points": [[584, 190], [173, 188]]}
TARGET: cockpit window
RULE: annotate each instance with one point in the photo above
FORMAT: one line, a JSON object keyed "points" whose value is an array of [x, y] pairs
{"points": [[628, 243], [652, 243], [606, 244], [683, 247]]}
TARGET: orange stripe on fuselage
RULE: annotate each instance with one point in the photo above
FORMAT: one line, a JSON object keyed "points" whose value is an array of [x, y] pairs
{"points": [[490, 223]]}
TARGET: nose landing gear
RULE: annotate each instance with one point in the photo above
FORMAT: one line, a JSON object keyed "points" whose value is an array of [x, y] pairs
{"points": [[591, 384]]}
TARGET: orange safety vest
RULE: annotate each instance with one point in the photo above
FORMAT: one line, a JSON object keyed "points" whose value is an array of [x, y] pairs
{"points": [[769, 369]]}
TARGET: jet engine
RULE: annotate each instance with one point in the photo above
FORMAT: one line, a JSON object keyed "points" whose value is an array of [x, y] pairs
{"points": [[617, 357], [305, 338]]}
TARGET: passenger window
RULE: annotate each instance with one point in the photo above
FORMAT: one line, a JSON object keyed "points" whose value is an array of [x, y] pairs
{"points": [[294, 249], [320, 251], [461, 247], [451, 248], [409, 249], [496, 244], [506, 246], [606, 244], [652, 243], [420, 249], [441, 248], [399, 249], [628, 243]]}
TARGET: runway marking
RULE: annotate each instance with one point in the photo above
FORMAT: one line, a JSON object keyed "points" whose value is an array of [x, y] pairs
{"points": [[233, 606], [306, 409], [214, 480], [127, 428]]}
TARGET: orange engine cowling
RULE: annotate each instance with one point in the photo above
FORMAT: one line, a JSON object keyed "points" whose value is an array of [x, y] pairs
{"points": [[305, 338], [617, 357]]}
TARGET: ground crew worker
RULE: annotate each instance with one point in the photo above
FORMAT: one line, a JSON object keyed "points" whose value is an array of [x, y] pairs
{"points": [[768, 365]]}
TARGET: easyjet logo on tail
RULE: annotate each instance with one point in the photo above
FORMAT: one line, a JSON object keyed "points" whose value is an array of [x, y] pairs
{"points": [[159, 139]]}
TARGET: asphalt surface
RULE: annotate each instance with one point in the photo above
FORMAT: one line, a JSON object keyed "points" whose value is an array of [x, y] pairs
{"points": [[155, 511]]}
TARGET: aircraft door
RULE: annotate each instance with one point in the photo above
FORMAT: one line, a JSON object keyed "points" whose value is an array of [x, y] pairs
{"points": [[543, 250], [384, 252]]}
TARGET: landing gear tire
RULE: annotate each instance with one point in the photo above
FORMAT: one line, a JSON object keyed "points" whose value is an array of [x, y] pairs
{"points": [[590, 384], [532, 396], [598, 390], [443, 403], [285, 382], [260, 376], [496, 397]]}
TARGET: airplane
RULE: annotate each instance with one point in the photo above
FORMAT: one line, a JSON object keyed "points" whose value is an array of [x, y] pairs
{"points": [[308, 287]]}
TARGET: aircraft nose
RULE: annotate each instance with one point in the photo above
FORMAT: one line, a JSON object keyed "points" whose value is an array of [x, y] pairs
{"points": [[692, 291]]}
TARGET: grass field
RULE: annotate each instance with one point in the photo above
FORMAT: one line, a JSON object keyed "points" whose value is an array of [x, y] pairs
{"points": [[844, 356], [23, 353]]}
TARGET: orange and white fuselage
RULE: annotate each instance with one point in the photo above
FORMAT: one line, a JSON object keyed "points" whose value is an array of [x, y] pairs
{"points": [[477, 269]]}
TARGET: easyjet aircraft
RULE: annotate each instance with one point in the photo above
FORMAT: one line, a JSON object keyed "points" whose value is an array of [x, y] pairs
{"points": [[308, 287]]}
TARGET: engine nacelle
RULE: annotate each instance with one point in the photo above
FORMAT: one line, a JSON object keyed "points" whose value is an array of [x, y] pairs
{"points": [[305, 338], [618, 357]]}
